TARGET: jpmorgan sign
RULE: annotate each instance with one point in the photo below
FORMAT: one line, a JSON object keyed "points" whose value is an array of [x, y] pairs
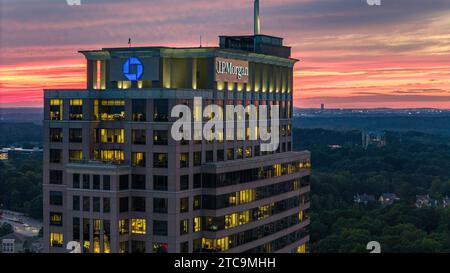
{"points": [[232, 70]]}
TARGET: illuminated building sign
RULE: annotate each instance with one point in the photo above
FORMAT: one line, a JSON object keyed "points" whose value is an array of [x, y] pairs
{"points": [[133, 69], [231, 70]]}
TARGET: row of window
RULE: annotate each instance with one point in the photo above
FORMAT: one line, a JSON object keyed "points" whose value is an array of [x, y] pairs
{"points": [[110, 110], [252, 175]]}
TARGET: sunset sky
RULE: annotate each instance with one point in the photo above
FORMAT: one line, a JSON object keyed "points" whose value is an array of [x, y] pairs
{"points": [[352, 55]]}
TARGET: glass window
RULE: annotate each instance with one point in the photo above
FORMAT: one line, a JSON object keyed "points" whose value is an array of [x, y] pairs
{"points": [[76, 109], [139, 137], [76, 180], [123, 204], [184, 205], [56, 198], [56, 239], [160, 228], [96, 182], [124, 226], [56, 219], [75, 135], [220, 155], [184, 160], [160, 183], [106, 205], [56, 109], [138, 182], [160, 138], [197, 202], [55, 156], [160, 205], [209, 156], [160, 160], [106, 183], [124, 182], [184, 182], [109, 155], [230, 154], [197, 224], [86, 203], [96, 204], [110, 135], [197, 180], [137, 246], [138, 159], [138, 226], [197, 159], [184, 227], [139, 110], [161, 110], [56, 135], [86, 181], [76, 203], [75, 156], [112, 110], [138, 204], [56, 177]]}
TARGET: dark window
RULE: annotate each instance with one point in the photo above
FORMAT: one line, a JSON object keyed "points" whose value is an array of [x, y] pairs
{"points": [[209, 156], [106, 182], [56, 177], [76, 135], [160, 138], [160, 160], [123, 182], [184, 205], [139, 137], [96, 182], [184, 247], [139, 110], [161, 110], [56, 135], [160, 228], [197, 158], [138, 204], [96, 204], [86, 203], [137, 247], [86, 181], [55, 156], [76, 229], [257, 150], [197, 180], [160, 205], [56, 219], [76, 203], [138, 182], [106, 205], [76, 180], [197, 202], [160, 183], [184, 182], [220, 155], [123, 204]]}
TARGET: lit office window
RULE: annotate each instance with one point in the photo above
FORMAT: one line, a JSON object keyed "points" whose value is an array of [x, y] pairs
{"points": [[160, 160], [56, 219], [109, 155], [75, 156], [76, 109], [56, 109], [111, 136], [124, 227], [138, 226], [110, 110], [184, 227], [138, 159], [56, 239], [197, 224]]}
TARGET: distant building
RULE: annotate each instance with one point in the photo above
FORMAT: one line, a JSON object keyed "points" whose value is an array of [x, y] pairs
{"points": [[446, 202], [3, 155], [322, 107], [374, 138], [335, 147], [423, 201], [363, 199], [12, 243], [388, 198]]}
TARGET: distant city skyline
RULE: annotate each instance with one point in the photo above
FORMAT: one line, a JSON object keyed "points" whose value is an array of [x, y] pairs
{"points": [[352, 55]]}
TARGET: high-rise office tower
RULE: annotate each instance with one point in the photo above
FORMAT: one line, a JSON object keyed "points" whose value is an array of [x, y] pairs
{"points": [[116, 180]]}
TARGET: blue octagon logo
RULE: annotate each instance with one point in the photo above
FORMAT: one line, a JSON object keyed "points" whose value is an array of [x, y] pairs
{"points": [[133, 69]]}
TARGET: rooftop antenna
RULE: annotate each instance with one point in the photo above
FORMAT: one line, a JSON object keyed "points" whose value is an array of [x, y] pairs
{"points": [[200, 40], [129, 42], [257, 19]]}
